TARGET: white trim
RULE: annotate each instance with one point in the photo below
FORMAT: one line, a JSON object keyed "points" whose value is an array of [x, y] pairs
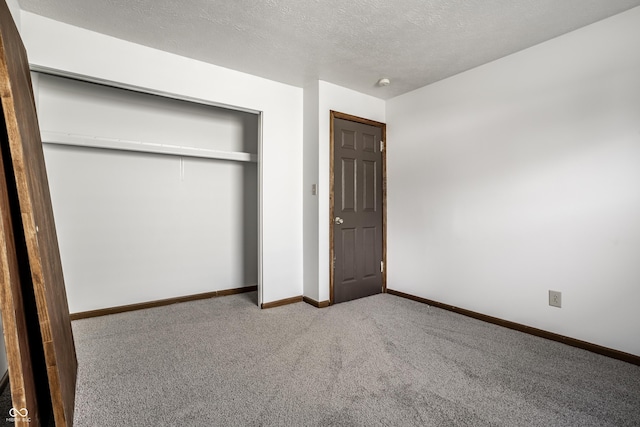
{"points": [[260, 210], [144, 147], [133, 88]]}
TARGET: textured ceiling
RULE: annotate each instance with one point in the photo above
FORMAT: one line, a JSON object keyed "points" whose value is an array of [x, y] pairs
{"points": [[350, 43]]}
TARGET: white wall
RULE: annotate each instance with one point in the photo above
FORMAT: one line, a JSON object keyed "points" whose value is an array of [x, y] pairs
{"points": [[521, 176], [14, 8], [316, 154], [88, 109], [71, 49]]}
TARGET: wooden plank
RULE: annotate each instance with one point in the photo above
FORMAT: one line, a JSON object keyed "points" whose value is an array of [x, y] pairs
{"points": [[38, 227], [16, 338]]}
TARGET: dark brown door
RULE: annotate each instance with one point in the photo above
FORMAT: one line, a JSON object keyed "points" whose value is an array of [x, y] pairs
{"points": [[357, 210]]}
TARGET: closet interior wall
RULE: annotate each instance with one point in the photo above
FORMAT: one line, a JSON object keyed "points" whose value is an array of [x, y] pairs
{"points": [[137, 224]]}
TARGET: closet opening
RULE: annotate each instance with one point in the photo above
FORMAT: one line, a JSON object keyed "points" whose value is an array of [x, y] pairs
{"points": [[155, 196]]}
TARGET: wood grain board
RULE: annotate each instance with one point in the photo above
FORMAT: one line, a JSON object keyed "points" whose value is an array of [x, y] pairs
{"points": [[29, 176], [14, 323]]}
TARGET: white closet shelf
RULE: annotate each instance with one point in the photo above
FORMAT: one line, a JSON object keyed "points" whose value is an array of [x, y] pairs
{"points": [[143, 147]]}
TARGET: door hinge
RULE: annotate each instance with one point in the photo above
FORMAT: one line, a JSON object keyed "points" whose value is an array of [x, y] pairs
{"points": [[381, 146], [381, 266]]}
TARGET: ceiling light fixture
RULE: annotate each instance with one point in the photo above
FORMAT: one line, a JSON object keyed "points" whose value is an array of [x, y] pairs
{"points": [[384, 82]]}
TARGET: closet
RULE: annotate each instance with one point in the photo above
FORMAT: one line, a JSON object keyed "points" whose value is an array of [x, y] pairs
{"points": [[153, 197]]}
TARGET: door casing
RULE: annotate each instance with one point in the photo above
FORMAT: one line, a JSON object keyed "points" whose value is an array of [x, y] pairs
{"points": [[338, 115]]}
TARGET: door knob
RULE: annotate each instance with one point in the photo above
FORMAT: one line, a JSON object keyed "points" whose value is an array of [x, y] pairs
{"points": [[338, 220]]}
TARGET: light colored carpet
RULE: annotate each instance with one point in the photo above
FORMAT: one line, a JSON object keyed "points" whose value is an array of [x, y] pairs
{"points": [[377, 361]]}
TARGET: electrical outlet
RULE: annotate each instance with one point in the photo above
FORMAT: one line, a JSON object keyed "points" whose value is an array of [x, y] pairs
{"points": [[555, 299]]}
